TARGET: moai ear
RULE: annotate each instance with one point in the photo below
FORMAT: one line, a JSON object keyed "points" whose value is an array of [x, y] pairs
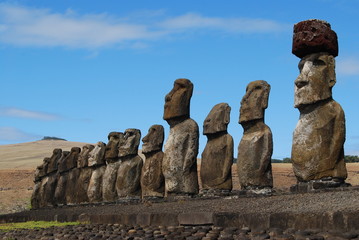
{"points": [[266, 90], [331, 71], [227, 113]]}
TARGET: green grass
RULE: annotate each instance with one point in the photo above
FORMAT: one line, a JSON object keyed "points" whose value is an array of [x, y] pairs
{"points": [[33, 224]]}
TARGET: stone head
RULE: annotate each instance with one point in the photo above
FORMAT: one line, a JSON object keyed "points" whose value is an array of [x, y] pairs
{"points": [[316, 79], [73, 157], [153, 141], [97, 155], [114, 138], [53, 163], [62, 165], [217, 120], [255, 101], [45, 165], [82, 160], [177, 101], [129, 144]]}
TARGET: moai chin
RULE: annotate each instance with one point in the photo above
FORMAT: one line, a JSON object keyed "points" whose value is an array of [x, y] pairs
{"points": [[97, 163], [256, 146], [217, 157], [318, 139], [179, 164], [152, 180], [129, 171], [109, 193]]}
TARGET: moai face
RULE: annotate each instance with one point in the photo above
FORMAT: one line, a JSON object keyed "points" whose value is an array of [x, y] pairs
{"points": [[217, 119], [130, 143], [56, 155], [316, 79], [97, 154], [177, 101], [112, 146], [84, 156], [153, 141], [255, 101]]}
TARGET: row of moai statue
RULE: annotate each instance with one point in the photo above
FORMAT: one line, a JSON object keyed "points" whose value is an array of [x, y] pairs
{"points": [[106, 173]]}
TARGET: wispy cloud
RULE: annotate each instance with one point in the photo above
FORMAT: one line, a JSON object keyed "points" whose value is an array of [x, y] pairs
{"points": [[25, 26], [11, 134], [22, 113], [348, 66]]}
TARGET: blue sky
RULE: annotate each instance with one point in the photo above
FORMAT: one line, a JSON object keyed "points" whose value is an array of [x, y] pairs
{"points": [[81, 69]]}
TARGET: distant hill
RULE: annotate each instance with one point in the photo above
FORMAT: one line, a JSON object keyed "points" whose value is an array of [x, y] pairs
{"points": [[29, 155], [52, 138]]}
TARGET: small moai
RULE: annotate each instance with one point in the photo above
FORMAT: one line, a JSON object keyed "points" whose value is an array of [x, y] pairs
{"points": [[129, 170], [109, 193], [52, 177], [318, 139], [60, 191], [256, 146], [84, 175], [97, 163], [217, 157], [39, 175], [72, 175], [179, 164], [152, 180]]}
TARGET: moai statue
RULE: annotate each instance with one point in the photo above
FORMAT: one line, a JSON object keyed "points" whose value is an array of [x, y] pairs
{"points": [[60, 191], [40, 173], [152, 180], [109, 193], [318, 139], [72, 175], [52, 177], [256, 146], [98, 165], [179, 164], [129, 171], [65, 188], [217, 157], [84, 175]]}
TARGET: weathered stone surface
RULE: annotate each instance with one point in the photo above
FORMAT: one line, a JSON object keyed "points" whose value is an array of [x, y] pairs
{"points": [[94, 191], [82, 160], [109, 193], [73, 157], [111, 152], [152, 180], [318, 139], [180, 158], [49, 188], [83, 184], [313, 36], [129, 171], [217, 157], [62, 162], [41, 170], [71, 185], [35, 196], [97, 155], [56, 155], [256, 146]]}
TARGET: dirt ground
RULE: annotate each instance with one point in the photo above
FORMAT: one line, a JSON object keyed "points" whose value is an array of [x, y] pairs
{"points": [[16, 184]]}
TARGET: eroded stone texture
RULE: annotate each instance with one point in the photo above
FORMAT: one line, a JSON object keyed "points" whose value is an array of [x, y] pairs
{"points": [[109, 193], [82, 160], [217, 157], [256, 146], [84, 176], [97, 155], [180, 158], [318, 139], [97, 162], [313, 36], [53, 163], [152, 180], [71, 186], [129, 171], [60, 190], [71, 161], [39, 175]]}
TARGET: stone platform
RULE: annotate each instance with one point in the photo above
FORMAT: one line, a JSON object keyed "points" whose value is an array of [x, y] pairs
{"points": [[327, 209]]}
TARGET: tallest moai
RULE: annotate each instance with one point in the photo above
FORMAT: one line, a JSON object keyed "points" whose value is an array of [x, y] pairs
{"points": [[318, 139]]}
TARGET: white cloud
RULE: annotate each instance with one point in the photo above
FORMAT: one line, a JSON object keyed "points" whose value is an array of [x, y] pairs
{"points": [[21, 113], [24, 26], [348, 66], [13, 134]]}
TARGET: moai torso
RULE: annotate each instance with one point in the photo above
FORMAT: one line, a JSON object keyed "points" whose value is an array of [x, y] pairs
{"points": [[97, 162], [84, 175], [217, 157], [60, 190], [152, 180], [256, 146]]}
